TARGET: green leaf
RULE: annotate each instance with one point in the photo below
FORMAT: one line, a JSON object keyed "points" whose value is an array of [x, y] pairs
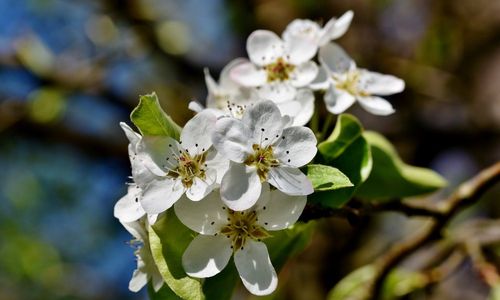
{"points": [[354, 286], [357, 285], [284, 244], [221, 286], [356, 163], [151, 120], [168, 240], [494, 293], [165, 293], [346, 131], [347, 150], [391, 177], [326, 178]]}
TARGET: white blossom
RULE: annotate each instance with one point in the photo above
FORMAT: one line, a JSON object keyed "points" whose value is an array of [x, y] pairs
{"points": [[262, 147], [146, 268], [345, 83], [227, 91], [224, 232], [300, 109], [129, 208], [333, 29], [276, 67], [190, 166]]}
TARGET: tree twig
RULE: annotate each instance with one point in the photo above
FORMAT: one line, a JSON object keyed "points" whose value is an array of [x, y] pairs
{"points": [[467, 194]]}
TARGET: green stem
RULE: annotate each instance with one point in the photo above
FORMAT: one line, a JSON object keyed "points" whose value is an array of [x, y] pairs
{"points": [[314, 124], [326, 126]]}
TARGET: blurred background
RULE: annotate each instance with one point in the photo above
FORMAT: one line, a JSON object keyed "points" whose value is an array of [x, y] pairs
{"points": [[71, 70]]}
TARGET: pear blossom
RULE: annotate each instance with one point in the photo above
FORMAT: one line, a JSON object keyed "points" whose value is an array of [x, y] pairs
{"points": [[129, 208], [227, 98], [140, 174], [262, 146], [276, 68], [225, 232], [345, 83], [227, 91], [312, 31], [146, 268], [190, 166], [300, 109]]}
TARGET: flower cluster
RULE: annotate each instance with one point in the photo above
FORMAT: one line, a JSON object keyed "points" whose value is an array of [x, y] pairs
{"points": [[217, 178], [234, 174]]}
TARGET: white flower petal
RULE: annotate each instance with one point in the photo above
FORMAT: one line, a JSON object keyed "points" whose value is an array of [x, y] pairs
{"points": [[201, 187], [154, 151], [296, 147], [277, 91], [290, 108], [376, 105], [321, 82], [240, 187], [334, 58], [264, 47], [231, 139], [304, 74], [212, 86], [225, 80], [132, 136], [306, 29], [300, 50], [255, 268], [206, 216], [141, 174], [247, 74], [217, 162], [206, 256], [306, 99], [338, 101], [160, 195], [138, 281], [264, 121], [286, 121], [375, 83], [128, 208], [196, 136], [136, 229], [290, 181], [281, 211], [152, 218], [336, 28], [195, 106], [157, 281]]}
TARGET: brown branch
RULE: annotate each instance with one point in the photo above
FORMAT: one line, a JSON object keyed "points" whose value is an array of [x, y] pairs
{"points": [[467, 194], [357, 209]]}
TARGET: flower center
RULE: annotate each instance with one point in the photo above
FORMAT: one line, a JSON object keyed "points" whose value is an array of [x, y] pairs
{"points": [[189, 168], [350, 84], [263, 159], [242, 226], [235, 110], [279, 70]]}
